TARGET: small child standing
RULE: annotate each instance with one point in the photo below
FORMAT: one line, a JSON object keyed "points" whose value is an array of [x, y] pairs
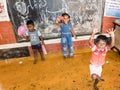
{"points": [[66, 34], [35, 37], [99, 50]]}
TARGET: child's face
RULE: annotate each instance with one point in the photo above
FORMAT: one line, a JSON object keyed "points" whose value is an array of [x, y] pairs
{"points": [[66, 19], [101, 44], [30, 27]]}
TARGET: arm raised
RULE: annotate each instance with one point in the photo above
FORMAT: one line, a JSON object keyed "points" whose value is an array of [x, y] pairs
{"points": [[91, 39]]}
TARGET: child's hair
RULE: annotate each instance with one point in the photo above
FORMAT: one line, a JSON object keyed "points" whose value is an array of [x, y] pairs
{"points": [[30, 22], [104, 38], [66, 14]]}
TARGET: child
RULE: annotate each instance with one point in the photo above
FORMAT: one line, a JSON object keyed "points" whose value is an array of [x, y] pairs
{"points": [[35, 37], [99, 50], [66, 34]]}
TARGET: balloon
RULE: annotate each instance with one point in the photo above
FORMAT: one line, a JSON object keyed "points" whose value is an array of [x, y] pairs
{"points": [[44, 49], [21, 30]]}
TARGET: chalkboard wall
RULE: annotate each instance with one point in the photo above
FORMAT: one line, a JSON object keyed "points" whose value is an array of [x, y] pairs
{"points": [[85, 14]]}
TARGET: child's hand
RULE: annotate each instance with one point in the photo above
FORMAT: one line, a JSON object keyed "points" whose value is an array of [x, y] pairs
{"points": [[75, 36], [110, 32], [59, 18], [21, 36], [95, 30]]}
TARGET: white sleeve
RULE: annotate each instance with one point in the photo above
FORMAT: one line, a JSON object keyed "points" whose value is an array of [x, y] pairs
{"points": [[39, 34]]}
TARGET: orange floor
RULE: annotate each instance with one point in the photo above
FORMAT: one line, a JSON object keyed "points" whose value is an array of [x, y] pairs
{"points": [[55, 73]]}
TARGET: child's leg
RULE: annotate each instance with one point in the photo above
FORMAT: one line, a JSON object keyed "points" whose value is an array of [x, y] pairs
{"points": [[95, 74], [96, 81], [96, 71], [41, 53], [64, 46], [70, 45], [95, 84], [71, 51], [39, 48], [35, 56]]}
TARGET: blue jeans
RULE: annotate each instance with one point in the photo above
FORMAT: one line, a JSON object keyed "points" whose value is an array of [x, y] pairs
{"points": [[67, 46]]}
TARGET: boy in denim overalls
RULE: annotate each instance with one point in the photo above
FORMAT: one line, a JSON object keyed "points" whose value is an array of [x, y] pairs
{"points": [[66, 34]]}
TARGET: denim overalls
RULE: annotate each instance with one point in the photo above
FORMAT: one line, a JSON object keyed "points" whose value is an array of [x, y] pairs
{"points": [[66, 39]]}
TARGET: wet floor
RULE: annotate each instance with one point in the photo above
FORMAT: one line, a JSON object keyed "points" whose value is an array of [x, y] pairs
{"points": [[55, 73]]}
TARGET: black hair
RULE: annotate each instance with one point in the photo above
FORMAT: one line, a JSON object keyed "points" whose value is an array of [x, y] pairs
{"points": [[30, 22], [66, 14], [104, 38]]}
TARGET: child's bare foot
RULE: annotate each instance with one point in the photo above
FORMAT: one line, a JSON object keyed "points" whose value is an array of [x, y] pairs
{"points": [[35, 61], [95, 84], [100, 78], [96, 88], [43, 59]]}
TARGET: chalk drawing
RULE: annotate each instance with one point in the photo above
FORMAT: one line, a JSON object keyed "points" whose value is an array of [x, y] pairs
{"points": [[85, 14]]}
